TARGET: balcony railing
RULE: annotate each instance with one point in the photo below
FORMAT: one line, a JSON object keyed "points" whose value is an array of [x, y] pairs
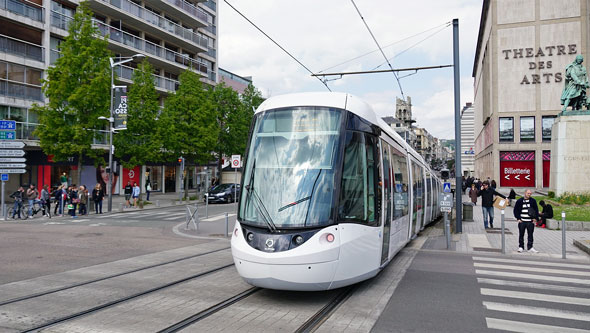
{"points": [[159, 21], [24, 8], [24, 131], [211, 28], [210, 4], [212, 76], [53, 56], [20, 90], [160, 81], [21, 48], [149, 47], [189, 8], [212, 53], [60, 20]]}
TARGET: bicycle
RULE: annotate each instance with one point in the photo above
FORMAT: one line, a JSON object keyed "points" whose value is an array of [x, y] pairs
{"points": [[37, 207], [23, 213]]}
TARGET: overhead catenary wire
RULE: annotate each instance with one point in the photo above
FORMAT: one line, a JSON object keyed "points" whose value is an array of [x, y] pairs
{"points": [[277, 44], [380, 49]]}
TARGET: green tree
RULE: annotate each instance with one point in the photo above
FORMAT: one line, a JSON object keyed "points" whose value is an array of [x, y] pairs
{"points": [[78, 91], [188, 124], [140, 142]]}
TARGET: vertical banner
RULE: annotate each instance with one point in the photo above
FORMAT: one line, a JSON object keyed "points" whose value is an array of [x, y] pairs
{"points": [[120, 112]]}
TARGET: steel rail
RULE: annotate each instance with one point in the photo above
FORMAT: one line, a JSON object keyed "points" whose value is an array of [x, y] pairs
{"points": [[315, 321]]}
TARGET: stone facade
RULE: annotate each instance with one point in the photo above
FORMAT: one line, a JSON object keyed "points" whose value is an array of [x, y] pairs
{"points": [[522, 50]]}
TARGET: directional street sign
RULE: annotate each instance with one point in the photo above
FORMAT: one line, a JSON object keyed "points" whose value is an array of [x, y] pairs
{"points": [[447, 187], [12, 152], [4, 177], [7, 135], [13, 170], [445, 201], [7, 124], [12, 159], [11, 144], [13, 165]]}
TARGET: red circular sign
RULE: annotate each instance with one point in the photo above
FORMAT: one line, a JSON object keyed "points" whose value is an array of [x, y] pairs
{"points": [[236, 163]]}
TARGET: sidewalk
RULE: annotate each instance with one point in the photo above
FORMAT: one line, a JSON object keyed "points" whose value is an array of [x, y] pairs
{"points": [[476, 239]]}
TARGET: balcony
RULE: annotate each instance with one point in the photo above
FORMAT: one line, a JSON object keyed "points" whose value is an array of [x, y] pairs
{"points": [[189, 8], [23, 8], [60, 20], [143, 45], [24, 131], [21, 48], [210, 4], [126, 72], [152, 19], [21, 90]]}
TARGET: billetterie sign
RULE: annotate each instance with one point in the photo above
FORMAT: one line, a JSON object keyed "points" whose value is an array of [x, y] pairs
{"points": [[512, 171]]}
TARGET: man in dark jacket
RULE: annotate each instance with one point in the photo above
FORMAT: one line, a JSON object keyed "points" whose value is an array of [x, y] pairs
{"points": [[547, 213], [526, 213], [487, 202], [18, 197]]}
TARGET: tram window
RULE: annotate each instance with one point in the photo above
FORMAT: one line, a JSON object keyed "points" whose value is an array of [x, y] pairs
{"points": [[357, 192], [400, 179]]}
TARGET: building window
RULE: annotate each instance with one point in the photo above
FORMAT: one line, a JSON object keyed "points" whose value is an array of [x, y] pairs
{"points": [[507, 129], [547, 124], [527, 129]]}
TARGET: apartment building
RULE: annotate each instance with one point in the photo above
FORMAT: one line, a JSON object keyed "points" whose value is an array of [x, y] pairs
{"points": [[467, 140], [175, 35]]}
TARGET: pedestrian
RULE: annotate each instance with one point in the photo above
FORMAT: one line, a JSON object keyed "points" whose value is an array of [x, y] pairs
{"points": [[18, 197], [97, 196], [64, 180], [487, 202], [511, 196], [32, 195], [136, 191], [547, 213], [526, 213], [128, 192], [148, 189], [73, 200], [57, 198], [493, 184], [83, 197], [46, 201], [473, 194]]}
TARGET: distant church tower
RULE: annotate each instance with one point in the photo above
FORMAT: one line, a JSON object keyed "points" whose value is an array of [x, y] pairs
{"points": [[403, 109]]}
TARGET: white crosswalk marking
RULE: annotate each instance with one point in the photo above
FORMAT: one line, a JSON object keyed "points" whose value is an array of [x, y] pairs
{"points": [[217, 217], [544, 285], [516, 326]]}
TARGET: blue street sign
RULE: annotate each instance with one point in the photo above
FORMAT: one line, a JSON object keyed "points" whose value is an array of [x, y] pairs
{"points": [[7, 124], [4, 177], [447, 187], [7, 135]]}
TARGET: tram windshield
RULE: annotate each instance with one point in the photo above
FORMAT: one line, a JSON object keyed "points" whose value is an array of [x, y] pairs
{"points": [[289, 175]]}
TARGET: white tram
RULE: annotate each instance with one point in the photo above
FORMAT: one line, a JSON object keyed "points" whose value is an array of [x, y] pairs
{"points": [[330, 193]]}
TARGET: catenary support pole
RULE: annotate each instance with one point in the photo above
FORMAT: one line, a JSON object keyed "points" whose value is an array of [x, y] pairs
{"points": [[109, 190], [458, 183], [563, 234], [3, 206], [503, 234]]}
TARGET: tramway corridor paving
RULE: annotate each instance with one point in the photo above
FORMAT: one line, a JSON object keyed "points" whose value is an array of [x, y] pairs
{"points": [[529, 295]]}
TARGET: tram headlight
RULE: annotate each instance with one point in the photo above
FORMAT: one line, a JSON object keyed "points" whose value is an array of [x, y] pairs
{"points": [[250, 236], [298, 240], [330, 238]]}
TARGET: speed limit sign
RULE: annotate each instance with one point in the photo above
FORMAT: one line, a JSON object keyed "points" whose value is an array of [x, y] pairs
{"points": [[236, 161]]}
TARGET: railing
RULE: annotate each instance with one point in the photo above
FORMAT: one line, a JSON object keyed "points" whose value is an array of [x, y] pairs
{"points": [[160, 81], [149, 47], [32, 11], [60, 20], [53, 56], [20, 90], [213, 76], [24, 131], [210, 4], [21, 48], [189, 8], [211, 28], [159, 21], [212, 53]]}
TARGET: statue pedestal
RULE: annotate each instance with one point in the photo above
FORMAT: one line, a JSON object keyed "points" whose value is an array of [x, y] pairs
{"points": [[570, 154]]}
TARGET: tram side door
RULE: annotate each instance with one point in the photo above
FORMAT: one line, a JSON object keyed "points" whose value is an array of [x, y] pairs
{"points": [[386, 199]]}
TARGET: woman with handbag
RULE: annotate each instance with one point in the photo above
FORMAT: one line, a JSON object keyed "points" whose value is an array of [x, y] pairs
{"points": [[73, 201]]}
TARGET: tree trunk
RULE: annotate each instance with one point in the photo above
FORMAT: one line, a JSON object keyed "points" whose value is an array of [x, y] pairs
{"points": [[219, 166], [79, 182]]}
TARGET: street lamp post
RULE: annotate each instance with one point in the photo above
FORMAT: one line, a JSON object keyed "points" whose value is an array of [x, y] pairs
{"points": [[111, 121]]}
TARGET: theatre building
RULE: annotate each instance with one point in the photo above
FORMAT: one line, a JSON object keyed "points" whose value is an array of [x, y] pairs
{"points": [[522, 50]]}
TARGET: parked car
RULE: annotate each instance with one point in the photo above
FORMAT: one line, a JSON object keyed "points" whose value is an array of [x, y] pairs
{"points": [[224, 193]]}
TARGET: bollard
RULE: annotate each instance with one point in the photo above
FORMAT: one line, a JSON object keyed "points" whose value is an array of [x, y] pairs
{"points": [[206, 205], [226, 224], [120, 207], [157, 203], [503, 234], [448, 230], [562, 234]]}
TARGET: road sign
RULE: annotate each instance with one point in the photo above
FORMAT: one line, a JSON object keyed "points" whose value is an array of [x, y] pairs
{"points": [[7, 135], [12, 144], [4, 177], [13, 165], [235, 161], [445, 202], [13, 170], [7, 124], [447, 187], [12, 152], [12, 159]]}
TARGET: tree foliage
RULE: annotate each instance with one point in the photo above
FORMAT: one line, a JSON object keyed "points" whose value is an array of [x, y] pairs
{"points": [[140, 142], [187, 125], [78, 91]]}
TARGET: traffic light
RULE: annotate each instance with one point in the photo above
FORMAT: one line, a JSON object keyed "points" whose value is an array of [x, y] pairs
{"points": [[181, 162]]}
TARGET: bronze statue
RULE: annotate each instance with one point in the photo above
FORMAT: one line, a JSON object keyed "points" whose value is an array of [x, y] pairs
{"points": [[576, 83]]}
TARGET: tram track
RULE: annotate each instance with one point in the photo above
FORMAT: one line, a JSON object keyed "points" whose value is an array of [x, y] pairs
{"points": [[110, 304], [325, 312], [55, 290]]}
